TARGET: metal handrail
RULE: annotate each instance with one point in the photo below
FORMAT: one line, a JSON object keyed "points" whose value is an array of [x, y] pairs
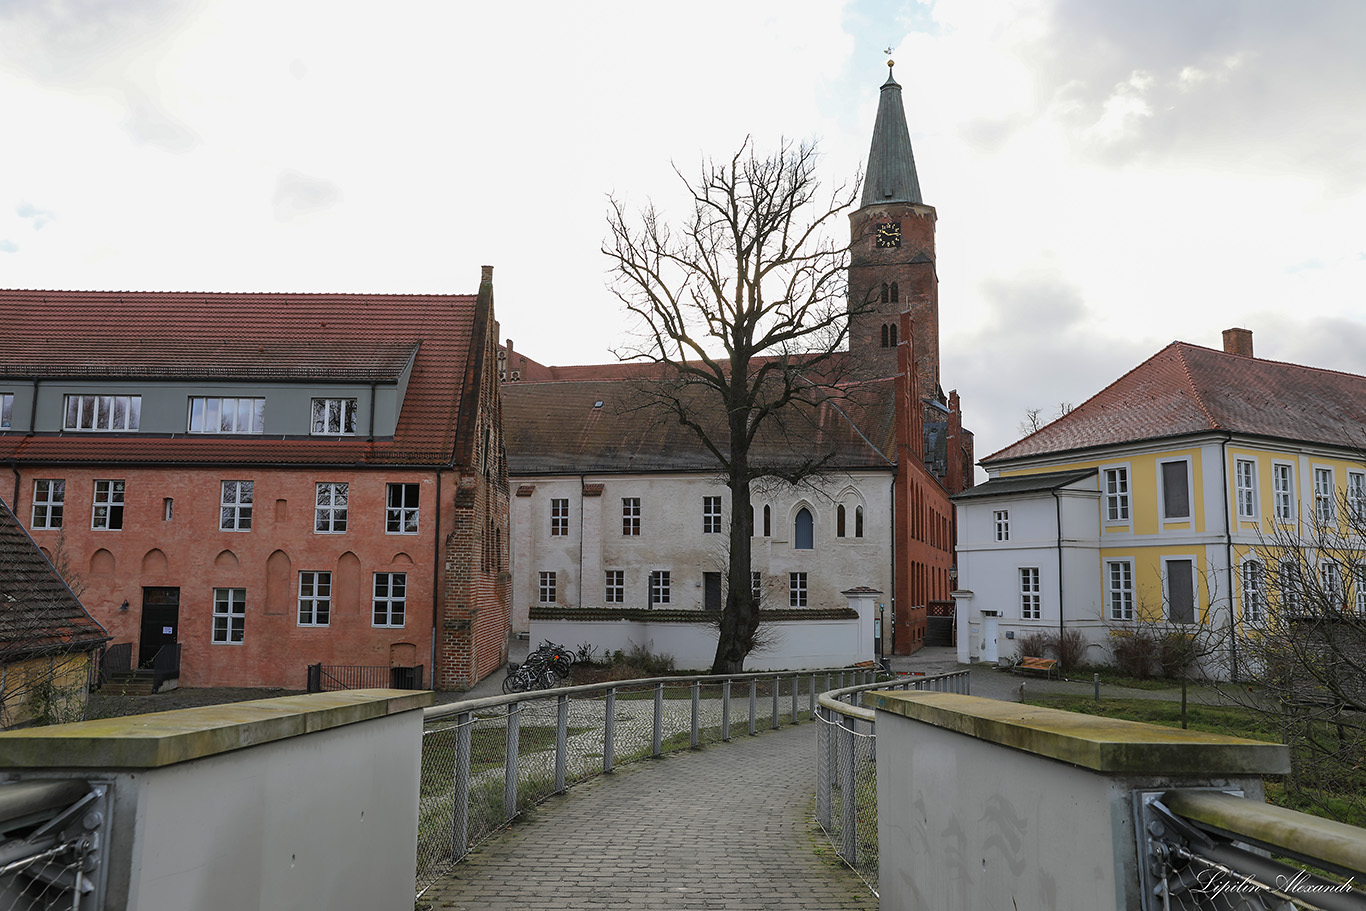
{"points": [[431, 713], [1321, 842]]}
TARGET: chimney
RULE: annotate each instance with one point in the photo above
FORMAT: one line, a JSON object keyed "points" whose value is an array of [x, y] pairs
{"points": [[1238, 341]]}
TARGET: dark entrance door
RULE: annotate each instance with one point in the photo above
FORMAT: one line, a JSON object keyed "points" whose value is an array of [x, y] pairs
{"points": [[160, 621], [711, 591]]}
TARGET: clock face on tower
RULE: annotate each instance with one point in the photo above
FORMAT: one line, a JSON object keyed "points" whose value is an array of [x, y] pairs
{"points": [[889, 234]]}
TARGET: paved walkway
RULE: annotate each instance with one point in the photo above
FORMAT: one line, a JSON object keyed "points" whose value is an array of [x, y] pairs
{"points": [[725, 827]]}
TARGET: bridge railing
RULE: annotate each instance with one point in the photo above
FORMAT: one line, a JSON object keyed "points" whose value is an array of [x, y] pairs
{"points": [[846, 775], [486, 760], [1208, 849]]}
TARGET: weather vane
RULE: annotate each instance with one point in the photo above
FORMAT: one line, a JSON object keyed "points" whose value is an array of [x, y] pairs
{"points": [[888, 52]]}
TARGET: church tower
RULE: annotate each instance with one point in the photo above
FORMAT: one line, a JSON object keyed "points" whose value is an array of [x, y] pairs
{"points": [[891, 269]]}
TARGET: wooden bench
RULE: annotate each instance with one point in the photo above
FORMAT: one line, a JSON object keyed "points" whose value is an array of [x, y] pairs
{"points": [[1046, 666]]}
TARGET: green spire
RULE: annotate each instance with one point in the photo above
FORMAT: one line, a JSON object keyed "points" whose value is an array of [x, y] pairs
{"points": [[891, 164]]}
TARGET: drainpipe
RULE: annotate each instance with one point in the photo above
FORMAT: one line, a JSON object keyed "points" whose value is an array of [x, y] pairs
{"points": [[372, 411], [14, 500], [436, 568], [33, 408], [887, 633], [581, 481], [1057, 503], [1228, 557]]}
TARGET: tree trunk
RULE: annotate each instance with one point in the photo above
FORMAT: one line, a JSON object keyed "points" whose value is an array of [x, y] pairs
{"points": [[740, 617]]}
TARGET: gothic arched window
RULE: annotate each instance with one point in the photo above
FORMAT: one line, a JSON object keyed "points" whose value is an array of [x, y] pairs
{"points": [[805, 537], [885, 292], [839, 521], [895, 294], [891, 335]]}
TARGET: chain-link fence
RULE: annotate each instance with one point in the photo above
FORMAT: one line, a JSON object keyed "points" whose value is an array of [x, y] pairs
{"points": [[53, 835], [846, 767], [486, 760]]}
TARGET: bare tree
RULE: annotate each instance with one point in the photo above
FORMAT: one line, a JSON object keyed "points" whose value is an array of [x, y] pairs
{"points": [[742, 308], [1034, 419], [1302, 643]]}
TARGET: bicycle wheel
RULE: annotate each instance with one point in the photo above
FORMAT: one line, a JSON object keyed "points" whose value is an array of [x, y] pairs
{"points": [[513, 683]]}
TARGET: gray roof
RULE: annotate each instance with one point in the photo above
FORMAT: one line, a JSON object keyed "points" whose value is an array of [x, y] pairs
{"points": [[1026, 483], [891, 173], [38, 612]]}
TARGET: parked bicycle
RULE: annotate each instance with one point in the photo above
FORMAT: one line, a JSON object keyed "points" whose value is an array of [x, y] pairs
{"points": [[543, 669]]}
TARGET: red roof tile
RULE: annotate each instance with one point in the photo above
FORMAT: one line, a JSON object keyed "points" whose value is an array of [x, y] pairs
{"points": [[1186, 389], [38, 612], [246, 337]]}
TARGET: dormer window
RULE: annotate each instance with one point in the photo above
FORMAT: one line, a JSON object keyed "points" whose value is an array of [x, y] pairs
{"points": [[219, 415], [334, 417], [102, 412]]}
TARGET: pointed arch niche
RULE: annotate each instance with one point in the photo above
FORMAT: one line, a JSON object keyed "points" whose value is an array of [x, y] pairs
{"points": [[279, 583], [154, 563]]}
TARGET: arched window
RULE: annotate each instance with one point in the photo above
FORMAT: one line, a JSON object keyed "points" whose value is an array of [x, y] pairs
{"points": [[751, 520], [891, 335], [884, 335], [885, 293], [858, 521], [805, 537], [895, 294], [768, 523], [839, 521]]}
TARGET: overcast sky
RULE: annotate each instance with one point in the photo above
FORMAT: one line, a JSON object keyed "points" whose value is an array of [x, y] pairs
{"points": [[1108, 176]]}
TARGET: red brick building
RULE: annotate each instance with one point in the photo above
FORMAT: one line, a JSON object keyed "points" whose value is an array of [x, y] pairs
{"points": [[267, 481]]}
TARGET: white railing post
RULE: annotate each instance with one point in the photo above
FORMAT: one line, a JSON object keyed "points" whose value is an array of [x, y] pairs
{"points": [[460, 828], [608, 724], [824, 771], [725, 710], [561, 740], [696, 713], [777, 688], [514, 717], [796, 689], [753, 703], [658, 739], [848, 795]]}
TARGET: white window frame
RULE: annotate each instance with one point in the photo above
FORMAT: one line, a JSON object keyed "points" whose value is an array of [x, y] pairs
{"points": [[630, 517], [389, 604], [1031, 593], [1162, 490], [661, 587], [234, 510], [548, 586], [6, 410], [401, 515], [1115, 481], [1325, 496], [1245, 487], [559, 517], [49, 496], [107, 511], [1289, 584], [756, 586], [1119, 589], [1254, 591], [229, 616], [1000, 519], [1283, 491], [796, 590], [614, 586], [333, 417], [315, 598], [91, 413], [328, 517], [1359, 584], [1330, 582], [1356, 498], [207, 414], [711, 515]]}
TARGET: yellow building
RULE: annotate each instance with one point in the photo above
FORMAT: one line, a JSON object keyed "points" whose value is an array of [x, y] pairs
{"points": [[1192, 492]]}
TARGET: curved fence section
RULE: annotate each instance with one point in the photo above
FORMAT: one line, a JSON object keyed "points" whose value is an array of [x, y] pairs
{"points": [[846, 770], [486, 760]]}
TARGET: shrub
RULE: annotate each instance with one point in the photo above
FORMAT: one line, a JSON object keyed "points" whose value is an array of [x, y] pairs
{"points": [[1034, 645], [1135, 653], [653, 665], [1176, 653], [1070, 647]]}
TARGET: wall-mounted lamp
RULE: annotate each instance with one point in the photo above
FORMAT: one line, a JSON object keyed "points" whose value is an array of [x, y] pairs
{"points": [[124, 605]]}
